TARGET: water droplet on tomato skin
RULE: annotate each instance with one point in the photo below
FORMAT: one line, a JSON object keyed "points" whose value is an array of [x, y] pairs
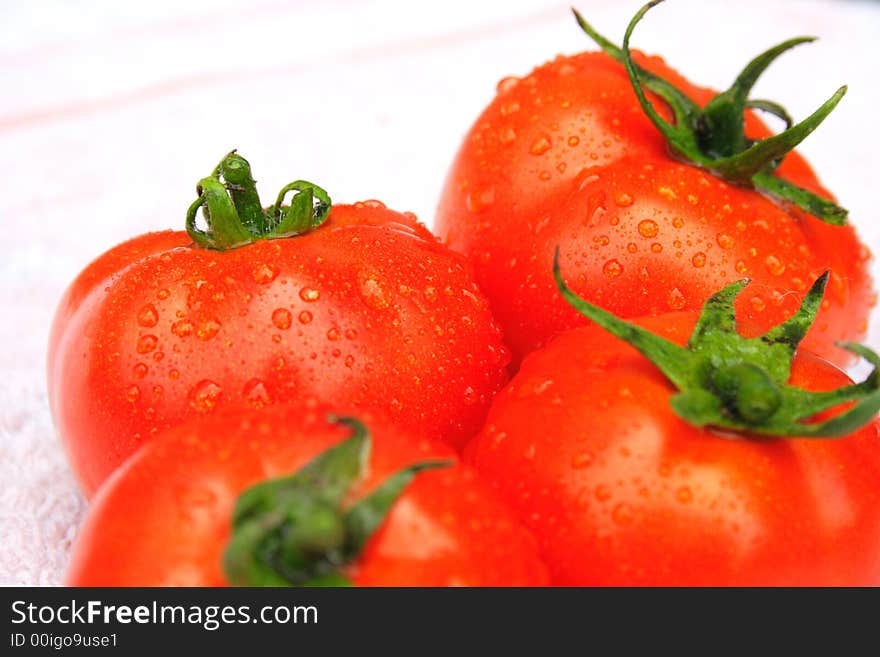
{"points": [[541, 145], [204, 396], [602, 493], [478, 200], [684, 495], [140, 370], [675, 299], [612, 268], [623, 200], [182, 328], [133, 394], [507, 135], [699, 260], [208, 329], [774, 265], [309, 294], [264, 273], [146, 344], [507, 84], [724, 240], [255, 393], [648, 228], [147, 316], [305, 317], [281, 318]]}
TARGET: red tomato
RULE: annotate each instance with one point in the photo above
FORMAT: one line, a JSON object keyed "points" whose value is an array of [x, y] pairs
{"points": [[566, 156], [445, 529], [368, 310], [619, 490]]}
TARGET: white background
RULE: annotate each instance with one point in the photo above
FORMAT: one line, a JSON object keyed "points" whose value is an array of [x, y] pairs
{"points": [[111, 111]]}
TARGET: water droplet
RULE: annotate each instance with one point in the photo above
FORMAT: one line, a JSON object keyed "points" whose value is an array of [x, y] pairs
{"points": [[741, 267], [350, 334], [163, 294], [147, 316], [305, 317], [146, 344], [507, 135], [173, 374], [309, 294], [203, 397], [612, 268], [282, 318], [632, 247], [264, 273], [507, 84], [541, 145], [675, 299], [133, 394], [255, 393], [374, 292], [349, 361], [140, 370], [667, 192], [544, 175], [602, 493], [530, 451], [478, 200], [333, 334], [208, 329], [182, 328], [774, 265], [375, 204], [582, 460], [656, 247], [624, 200], [573, 141], [648, 228], [757, 304], [684, 494], [622, 514], [470, 396], [699, 259], [724, 240]]}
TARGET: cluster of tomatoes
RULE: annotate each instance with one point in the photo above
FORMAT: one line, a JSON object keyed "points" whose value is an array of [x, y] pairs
{"points": [[321, 394]]}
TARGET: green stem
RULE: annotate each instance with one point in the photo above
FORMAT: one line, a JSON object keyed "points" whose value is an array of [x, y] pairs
{"points": [[713, 137], [728, 381], [295, 530], [235, 217]]}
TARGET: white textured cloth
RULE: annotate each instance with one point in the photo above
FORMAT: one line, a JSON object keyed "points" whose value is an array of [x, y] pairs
{"points": [[111, 112]]}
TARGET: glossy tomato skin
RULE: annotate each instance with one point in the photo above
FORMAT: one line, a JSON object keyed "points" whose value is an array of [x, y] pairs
{"points": [[446, 529], [566, 156], [368, 310], [619, 490]]}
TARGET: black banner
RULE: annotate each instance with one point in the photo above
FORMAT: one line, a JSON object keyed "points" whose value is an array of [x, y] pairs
{"points": [[135, 621]]}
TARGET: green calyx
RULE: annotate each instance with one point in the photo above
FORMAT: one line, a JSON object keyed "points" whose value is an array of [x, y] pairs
{"points": [[713, 137], [235, 217], [731, 382], [296, 531]]}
